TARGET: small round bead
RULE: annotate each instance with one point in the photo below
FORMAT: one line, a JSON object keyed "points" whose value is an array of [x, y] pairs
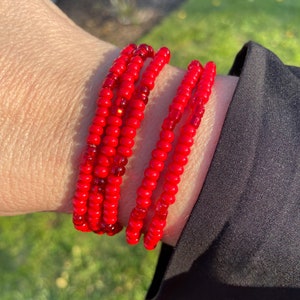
{"points": [[132, 238], [81, 195], [78, 219], [128, 132], [164, 145], [101, 171], [133, 122], [95, 198], [157, 164], [103, 160], [99, 120], [112, 131], [128, 142], [110, 141], [149, 183], [186, 140], [151, 173], [80, 210], [114, 180], [93, 139], [143, 202], [171, 177], [86, 168], [180, 159], [96, 129], [182, 149], [167, 135], [114, 121], [79, 203], [175, 168], [83, 227], [159, 154], [118, 170], [125, 151], [139, 213], [136, 224], [106, 93], [143, 192], [112, 190], [170, 188], [85, 177], [108, 150], [168, 198], [102, 111], [138, 114], [83, 186]]}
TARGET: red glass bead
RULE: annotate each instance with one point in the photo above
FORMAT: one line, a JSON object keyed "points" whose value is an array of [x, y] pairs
{"points": [[133, 122], [86, 168], [101, 171], [143, 192], [128, 142], [112, 229], [170, 188], [102, 111], [157, 164], [82, 195], [99, 120], [95, 198], [85, 177], [180, 159], [104, 102], [143, 202], [164, 146], [112, 190], [79, 203], [118, 170], [83, 186], [136, 224], [114, 121], [159, 154], [114, 180], [120, 160], [96, 129], [108, 150], [125, 151], [112, 131], [110, 141], [78, 219], [186, 140], [106, 93], [138, 114], [83, 227], [80, 210], [132, 238], [93, 139], [183, 149], [171, 177], [139, 213], [175, 168], [167, 198], [152, 173], [149, 183], [128, 132], [148, 82], [103, 160]]}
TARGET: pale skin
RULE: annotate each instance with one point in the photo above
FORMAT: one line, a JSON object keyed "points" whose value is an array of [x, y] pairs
{"points": [[50, 71]]}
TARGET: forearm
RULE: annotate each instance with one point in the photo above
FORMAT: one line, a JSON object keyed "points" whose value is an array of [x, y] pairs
{"points": [[50, 76]]}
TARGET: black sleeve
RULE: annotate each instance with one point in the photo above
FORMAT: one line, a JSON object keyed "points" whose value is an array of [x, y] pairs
{"points": [[242, 240]]}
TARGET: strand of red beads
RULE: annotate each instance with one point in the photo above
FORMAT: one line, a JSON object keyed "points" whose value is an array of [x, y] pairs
{"points": [[180, 158], [97, 217], [108, 152], [128, 131], [160, 153], [82, 194]]}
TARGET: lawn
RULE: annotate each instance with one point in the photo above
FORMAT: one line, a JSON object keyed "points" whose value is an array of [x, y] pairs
{"points": [[42, 257]]}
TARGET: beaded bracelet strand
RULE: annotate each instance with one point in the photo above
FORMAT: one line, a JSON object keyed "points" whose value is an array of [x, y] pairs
{"points": [[180, 158], [86, 166], [119, 113], [160, 153]]}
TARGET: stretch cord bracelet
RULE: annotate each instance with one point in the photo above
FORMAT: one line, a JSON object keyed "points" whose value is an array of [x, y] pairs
{"points": [[119, 113], [86, 167], [128, 132], [180, 158], [103, 219], [160, 153]]}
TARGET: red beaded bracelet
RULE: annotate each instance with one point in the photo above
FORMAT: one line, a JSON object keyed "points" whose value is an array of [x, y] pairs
{"points": [[120, 111], [180, 158], [160, 153]]}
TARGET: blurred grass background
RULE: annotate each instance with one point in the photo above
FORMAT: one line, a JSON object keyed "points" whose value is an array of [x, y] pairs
{"points": [[42, 257]]}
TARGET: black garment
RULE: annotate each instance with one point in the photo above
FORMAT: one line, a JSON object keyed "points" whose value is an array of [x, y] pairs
{"points": [[242, 240]]}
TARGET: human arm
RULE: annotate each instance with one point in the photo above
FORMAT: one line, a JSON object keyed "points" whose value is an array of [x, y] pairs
{"points": [[50, 75]]}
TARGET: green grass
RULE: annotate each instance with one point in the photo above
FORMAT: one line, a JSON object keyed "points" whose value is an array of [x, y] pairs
{"points": [[216, 30], [42, 257]]}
